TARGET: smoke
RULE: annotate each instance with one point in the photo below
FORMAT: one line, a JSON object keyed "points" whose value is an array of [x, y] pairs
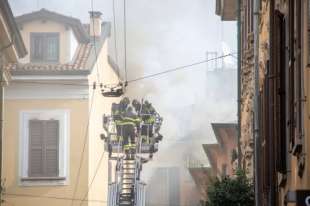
{"points": [[161, 35]]}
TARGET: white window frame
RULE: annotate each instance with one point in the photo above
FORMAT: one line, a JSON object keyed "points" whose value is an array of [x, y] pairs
{"points": [[63, 116]]}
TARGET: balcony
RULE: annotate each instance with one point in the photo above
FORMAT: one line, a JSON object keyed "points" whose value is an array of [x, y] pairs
{"points": [[227, 9]]}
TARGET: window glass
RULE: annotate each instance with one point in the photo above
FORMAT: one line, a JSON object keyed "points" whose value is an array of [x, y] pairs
{"points": [[44, 47]]}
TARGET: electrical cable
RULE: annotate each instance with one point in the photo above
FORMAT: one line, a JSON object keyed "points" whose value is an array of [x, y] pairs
{"points": [[93, 178], [51, 197], [189, 66], [177, 68], [125, 41], [115, 38], [244, 62], [84, 146]]}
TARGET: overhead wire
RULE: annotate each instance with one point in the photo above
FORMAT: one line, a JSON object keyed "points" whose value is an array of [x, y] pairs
{"points": [[93, 178], [188, 66], [115, 37], [77, 180], [242, 61], [125, 41], [51, 197]]}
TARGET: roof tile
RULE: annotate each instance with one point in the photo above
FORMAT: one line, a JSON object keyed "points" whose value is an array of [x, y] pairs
{"points": [[78, 63]]}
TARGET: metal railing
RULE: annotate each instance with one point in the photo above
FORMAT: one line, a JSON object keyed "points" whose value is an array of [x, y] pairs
{"points": [[140, 194], [194, 163], [113, 194]]}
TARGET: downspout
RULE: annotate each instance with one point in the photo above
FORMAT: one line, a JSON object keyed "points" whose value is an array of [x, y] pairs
{"points": [[272, 187], [239, 81], [256, 100], [1, 119]]}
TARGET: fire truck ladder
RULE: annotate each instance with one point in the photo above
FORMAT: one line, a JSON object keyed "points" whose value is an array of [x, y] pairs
{"points": [[127, 189]]}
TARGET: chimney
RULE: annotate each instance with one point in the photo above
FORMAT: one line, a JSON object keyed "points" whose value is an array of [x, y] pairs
{"points": [[95, 23]]}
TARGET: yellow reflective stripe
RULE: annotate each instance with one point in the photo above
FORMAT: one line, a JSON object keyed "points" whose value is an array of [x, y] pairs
{"points": [[122, 123], [135, 120]]}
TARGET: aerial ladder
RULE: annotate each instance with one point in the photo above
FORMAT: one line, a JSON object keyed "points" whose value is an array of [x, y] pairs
{"points": [[130, 154]]}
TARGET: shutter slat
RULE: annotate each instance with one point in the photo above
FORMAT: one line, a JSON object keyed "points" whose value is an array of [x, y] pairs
{"points": [[35, 148], [52, 147], [43, 148]]}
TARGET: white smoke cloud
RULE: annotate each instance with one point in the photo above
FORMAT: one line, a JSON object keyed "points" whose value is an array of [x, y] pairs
{"points": [[165, 34]]}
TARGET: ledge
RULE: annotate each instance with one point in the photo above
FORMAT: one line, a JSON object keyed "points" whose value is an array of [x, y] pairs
{"points": [[42, 178]]}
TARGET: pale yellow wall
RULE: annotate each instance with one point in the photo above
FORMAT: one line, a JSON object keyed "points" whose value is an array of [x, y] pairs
{"points": [[78, 121], [65, 38], [96, 145], [79, 112]]}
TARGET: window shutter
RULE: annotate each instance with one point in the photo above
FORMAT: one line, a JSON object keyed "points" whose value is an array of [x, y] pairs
{"points": [[43, 148], [44, 47], [51, 148], [280, 86], [52, 47], [36, 50], [35, 168]]}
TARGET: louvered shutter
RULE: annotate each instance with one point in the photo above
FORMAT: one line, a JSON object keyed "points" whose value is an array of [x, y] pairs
{"points": [[280, 87], [36, 148], [37, 47], [51, 148]]}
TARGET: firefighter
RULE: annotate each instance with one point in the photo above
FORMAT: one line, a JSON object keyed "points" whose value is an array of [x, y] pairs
{"points": [[123, 104], [130, 123], [137, 105], [115, 110], [110, 149]]}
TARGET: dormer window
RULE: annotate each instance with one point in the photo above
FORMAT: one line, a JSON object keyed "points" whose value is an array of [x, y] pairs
{"points": [[44, 47]]}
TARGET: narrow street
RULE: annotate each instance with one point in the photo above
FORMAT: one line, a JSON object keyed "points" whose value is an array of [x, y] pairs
{"points": [[154, 103]]}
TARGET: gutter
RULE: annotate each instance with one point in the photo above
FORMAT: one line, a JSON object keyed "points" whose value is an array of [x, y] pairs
{"points": [[16, 36], [272, 178], [256, 101], [239, 83]]}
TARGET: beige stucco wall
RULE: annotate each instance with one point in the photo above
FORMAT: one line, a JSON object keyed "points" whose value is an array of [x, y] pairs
{"points": [[293, 180], [78, 122], [67, 41], [102, 105]]}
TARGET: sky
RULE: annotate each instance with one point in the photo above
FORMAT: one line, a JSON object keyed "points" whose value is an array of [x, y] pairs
{"points": [[161, 35]]}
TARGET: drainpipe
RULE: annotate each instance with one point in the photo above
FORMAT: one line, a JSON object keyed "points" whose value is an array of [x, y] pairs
{"points": [[239, 81], [1, 119], [272, 187], [256, 100]]}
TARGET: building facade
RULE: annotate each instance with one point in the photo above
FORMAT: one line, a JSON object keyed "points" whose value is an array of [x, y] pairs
{"points": [[12, 45], [284, 106], [53, 153], [282, 169], [222, 157], [245, 77]]}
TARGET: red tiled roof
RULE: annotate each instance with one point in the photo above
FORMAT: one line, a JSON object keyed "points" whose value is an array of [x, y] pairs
{"points": [[78, 63]]}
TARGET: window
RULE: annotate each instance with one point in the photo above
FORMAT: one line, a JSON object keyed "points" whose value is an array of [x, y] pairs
{"points": [[44, 47], [44, 147]]}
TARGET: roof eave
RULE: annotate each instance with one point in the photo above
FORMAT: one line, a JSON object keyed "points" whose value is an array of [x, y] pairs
{"points": [[68, 72], [16, 39], [74, 23]]}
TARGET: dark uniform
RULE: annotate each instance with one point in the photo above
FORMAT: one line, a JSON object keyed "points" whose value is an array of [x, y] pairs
{"points": [[136, 105]]}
